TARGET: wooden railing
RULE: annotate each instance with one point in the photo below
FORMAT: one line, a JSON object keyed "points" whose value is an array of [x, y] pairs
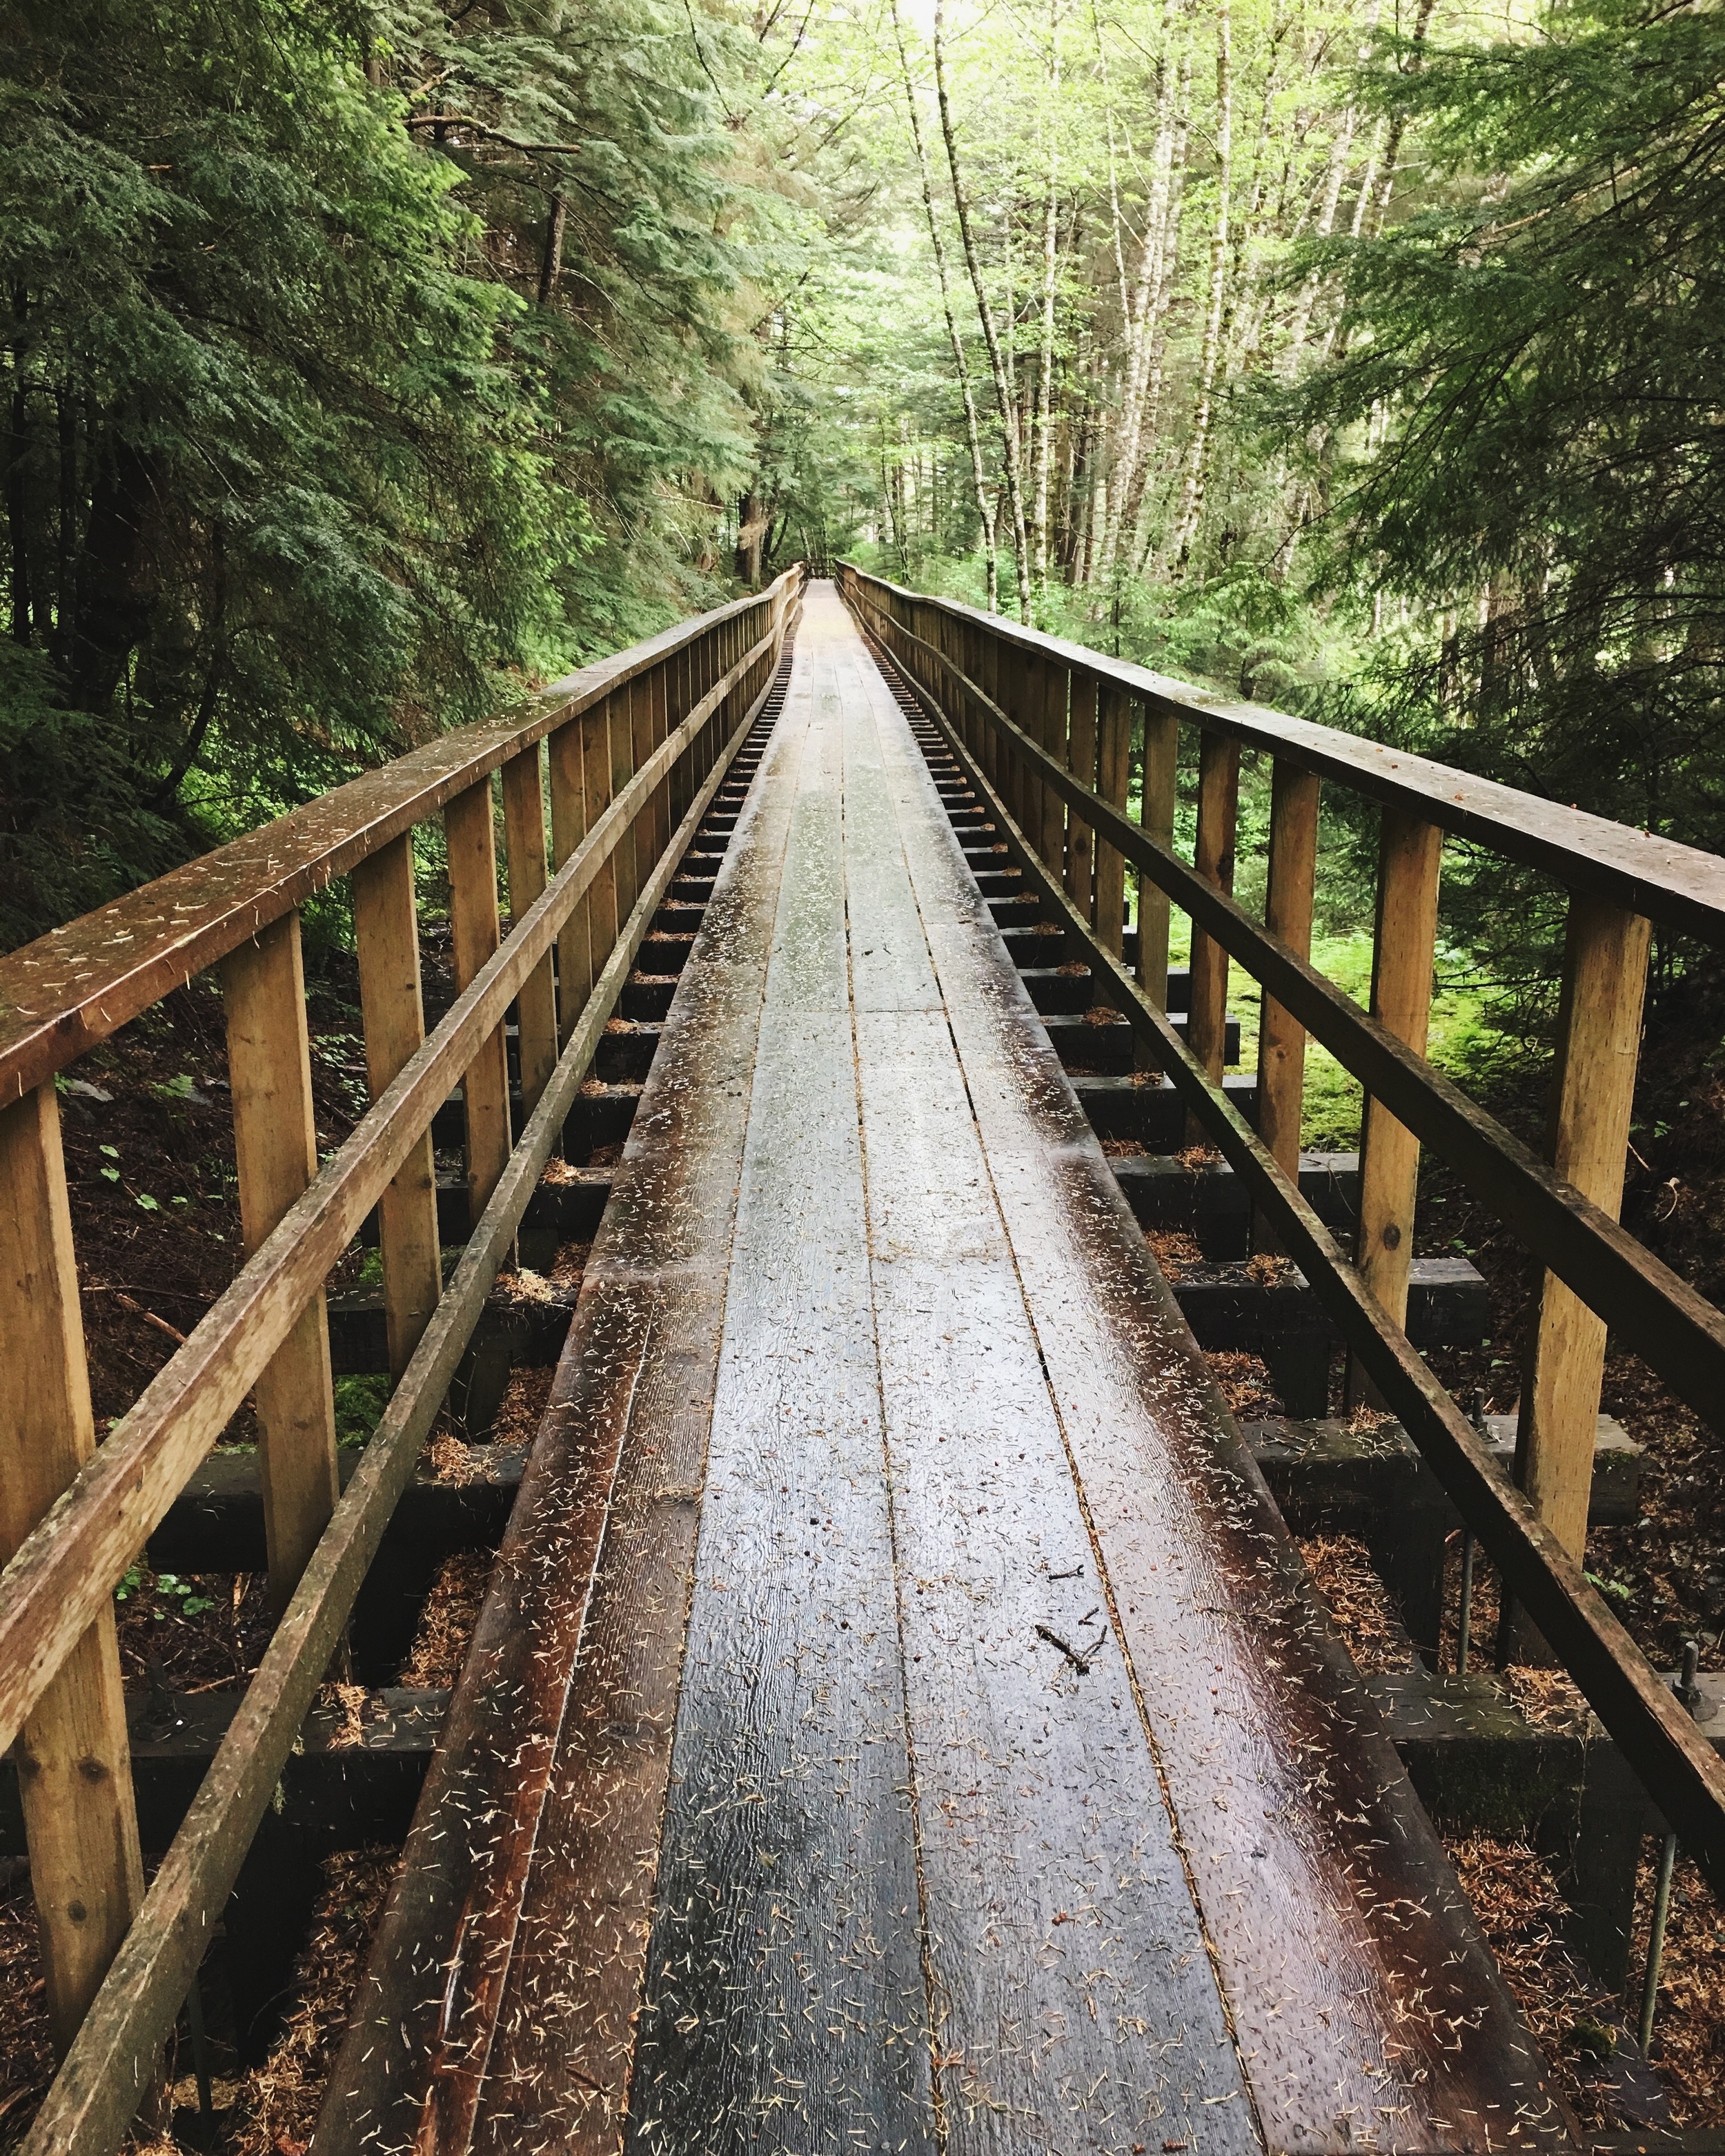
{"points": [[1044, 729], [635, 748]]}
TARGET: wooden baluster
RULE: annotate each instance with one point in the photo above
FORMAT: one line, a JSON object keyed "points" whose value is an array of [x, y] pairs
{"points": [[1082, 762], [1287, 914], [524, 840], [1156, 806], [619, 711], [275, 1144], [1599, 1041], [1218, 814], [74, 1763], [470, 830], [1051, 845], [385, 933], [1114, 750], [1410, 851], [654, 690], [567, 766]]}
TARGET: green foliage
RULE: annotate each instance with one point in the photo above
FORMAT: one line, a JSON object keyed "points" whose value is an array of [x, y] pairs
{"points": [[1519, 451], [315, 442], [360, 1402]]}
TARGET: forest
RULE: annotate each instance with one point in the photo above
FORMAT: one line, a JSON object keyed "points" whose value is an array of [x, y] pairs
{"points": [[366, 363]]}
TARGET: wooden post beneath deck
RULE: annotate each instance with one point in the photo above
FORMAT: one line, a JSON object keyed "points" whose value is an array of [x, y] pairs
{"points": [[1598, 1042], [1114, 751], [1409, 852], [1287, 915], [1218, 815], [73, 1765], [1081, 757], [275, 1145], [471, 836], [523, 838], [385, 933]]}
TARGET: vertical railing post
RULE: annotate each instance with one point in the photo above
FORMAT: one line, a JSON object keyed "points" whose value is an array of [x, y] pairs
{"points": [[524, 842], [1593, 1093], [568, 765], [275, 1146], [470, 833], [1051, 843], [74, 1763], [1409, 853], [1218, 815], [1287, 915], [1161, 781], [1082, 762], [1114, 752], [620, 716], [386, 935]]}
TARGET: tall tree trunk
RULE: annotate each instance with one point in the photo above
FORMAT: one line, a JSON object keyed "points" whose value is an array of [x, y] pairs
{"points": [[17, 450], [1003, 393], [118, 576], [960, 366], [1198, 455], [1141, 326], [1393, 148], [1050, 266], [551, 266], [65, 628], [1137, 506]]}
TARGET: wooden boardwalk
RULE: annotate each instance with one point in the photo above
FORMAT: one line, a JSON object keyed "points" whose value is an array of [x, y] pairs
{"points": [[899, 1721]]}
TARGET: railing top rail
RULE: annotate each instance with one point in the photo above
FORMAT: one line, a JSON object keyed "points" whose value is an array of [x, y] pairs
{"points": [[73, 987], [1680, 886]]}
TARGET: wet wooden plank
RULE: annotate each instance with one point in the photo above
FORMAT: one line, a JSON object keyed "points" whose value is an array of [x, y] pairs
{"points": [[1074, 2003], [786, 2002], [586, 1580], [1366, 2005]]}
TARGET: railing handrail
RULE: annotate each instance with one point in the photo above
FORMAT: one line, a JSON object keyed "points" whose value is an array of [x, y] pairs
{"points": [[75, 986], [1680, 887]]}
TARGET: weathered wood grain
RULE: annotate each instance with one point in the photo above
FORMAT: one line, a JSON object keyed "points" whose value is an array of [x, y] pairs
{"points": [[1624, 1691], [88, 2108]]}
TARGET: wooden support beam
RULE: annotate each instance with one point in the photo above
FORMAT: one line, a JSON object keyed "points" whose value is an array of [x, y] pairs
{"points": [[1081, 757], [385, 930], [1114, 750], [1218, 815], [74, 1769], [567, 763], [1161, 782], [1409, 853], [1598, 1043], [1287, 914], [524, 840], [470, 833], [1055, 686], [627, 861], [275, 1145]]}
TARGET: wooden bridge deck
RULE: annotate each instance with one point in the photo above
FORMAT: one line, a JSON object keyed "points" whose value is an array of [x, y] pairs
{"points": [[900, 1720]]}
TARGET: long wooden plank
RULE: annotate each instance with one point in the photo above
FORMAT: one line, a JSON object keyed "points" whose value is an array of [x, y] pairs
{"points": [[1680, 886], [1628, 1695], [87, 2110], [1366, 2005], [1074, 2002], [73, 987], [56, 1583], [530, 1794], [785, 1999]]}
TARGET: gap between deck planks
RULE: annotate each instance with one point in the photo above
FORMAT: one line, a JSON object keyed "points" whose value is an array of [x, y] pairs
{"points": [[912, 1879]]}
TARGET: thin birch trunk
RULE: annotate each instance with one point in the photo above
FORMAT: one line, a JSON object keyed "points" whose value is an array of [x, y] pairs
{"points": [[1044, 418], [1198, 455], [985, 508], [1003, 386]]}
